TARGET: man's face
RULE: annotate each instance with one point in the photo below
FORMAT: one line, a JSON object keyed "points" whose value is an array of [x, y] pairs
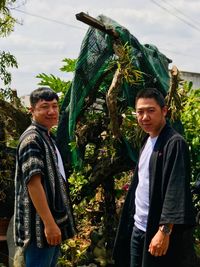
{"points": [[150, 116], [46, 113]]}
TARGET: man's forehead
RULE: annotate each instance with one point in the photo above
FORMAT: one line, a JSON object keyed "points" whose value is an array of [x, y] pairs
{"points": [[145, 106], [146, 102], [43, 101]]}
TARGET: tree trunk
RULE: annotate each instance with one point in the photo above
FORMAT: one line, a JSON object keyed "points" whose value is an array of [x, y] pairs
{"points": [[110, 221]]}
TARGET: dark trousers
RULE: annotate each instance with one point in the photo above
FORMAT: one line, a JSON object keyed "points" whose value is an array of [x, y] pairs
{"points": [[41, 257], [137, 246], [180, 253]]}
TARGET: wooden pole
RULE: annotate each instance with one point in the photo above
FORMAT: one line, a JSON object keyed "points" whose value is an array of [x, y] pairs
{"points": [[96, 24]]}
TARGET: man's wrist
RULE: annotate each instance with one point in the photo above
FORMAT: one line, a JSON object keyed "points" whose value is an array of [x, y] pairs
{"points": [[165, 229]]}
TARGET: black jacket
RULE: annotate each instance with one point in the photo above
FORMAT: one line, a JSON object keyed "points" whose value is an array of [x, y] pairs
{"points": [[170, 202]]}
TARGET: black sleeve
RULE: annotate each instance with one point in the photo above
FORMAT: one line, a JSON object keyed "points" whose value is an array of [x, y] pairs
{"points": [[177, 200]]}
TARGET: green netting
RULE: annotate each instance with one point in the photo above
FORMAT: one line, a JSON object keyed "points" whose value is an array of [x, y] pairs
{"points": [[93, 61]]}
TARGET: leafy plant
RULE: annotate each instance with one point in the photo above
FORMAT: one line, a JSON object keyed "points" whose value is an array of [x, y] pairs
{"points": [[7, 163], [69, 66], [6, 61], [190, 118], [74, 252], [7, 21], [55, 83], [125, 64], [76, 181], [58, 85], [130, 129]]}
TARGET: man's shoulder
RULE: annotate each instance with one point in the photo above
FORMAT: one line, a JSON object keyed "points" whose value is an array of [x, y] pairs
{"points": [[29, 135], [171, 137], [170, 133]]}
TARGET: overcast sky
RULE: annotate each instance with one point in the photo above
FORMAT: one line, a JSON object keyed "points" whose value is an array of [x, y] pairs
{"points": [[49, 32]]}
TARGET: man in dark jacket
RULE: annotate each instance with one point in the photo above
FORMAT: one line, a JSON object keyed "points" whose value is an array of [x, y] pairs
{"points": [[156, 226]]}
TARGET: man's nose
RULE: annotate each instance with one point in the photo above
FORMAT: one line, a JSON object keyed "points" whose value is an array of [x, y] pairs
{"points": [[51, 110], [145, 115]]}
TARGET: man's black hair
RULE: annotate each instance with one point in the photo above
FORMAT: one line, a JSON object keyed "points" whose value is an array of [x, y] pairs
{"points": [[42, 93], [151, 93]]}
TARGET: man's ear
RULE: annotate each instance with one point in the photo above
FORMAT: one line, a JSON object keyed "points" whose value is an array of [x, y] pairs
{"points": [[30, 109], [165, 110]]}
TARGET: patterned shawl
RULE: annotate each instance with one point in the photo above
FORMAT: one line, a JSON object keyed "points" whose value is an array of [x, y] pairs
{"points": [[55, 189]]}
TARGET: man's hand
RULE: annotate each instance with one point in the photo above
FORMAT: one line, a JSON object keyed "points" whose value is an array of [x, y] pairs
{"points": [[53, 234], [159, 244]]}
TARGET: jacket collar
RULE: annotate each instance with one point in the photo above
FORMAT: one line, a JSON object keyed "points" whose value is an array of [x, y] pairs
{"points": [[41, 127]]}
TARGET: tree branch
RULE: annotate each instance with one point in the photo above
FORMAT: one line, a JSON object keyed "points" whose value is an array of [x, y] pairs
{"points": [[102, 171]]}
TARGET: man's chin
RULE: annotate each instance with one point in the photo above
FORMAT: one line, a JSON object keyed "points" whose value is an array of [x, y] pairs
{"points": [[146, 129]]}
